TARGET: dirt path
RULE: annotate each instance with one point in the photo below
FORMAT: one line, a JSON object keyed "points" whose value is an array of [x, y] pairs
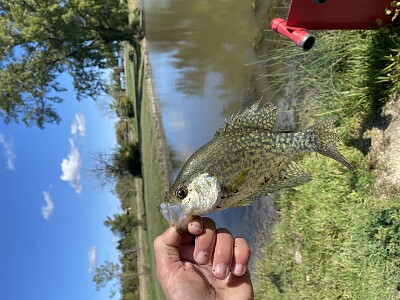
{"points": [[385, 150], [144, 275]]}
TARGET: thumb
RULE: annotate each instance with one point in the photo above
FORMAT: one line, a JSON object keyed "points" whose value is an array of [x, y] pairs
{"points": [[166, 248]]}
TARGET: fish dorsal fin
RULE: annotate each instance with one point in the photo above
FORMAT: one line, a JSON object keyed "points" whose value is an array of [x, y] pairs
{"points": [[252, 117]]}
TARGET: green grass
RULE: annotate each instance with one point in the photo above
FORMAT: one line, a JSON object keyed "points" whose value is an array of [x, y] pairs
{"points": [[144, 128], [333, 226], [153, 187], [335, 238], [346, 72], [131, 86], [153, 190]]}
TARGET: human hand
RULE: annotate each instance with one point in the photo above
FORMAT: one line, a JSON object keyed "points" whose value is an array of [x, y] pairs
{"points": [[203, 263]]}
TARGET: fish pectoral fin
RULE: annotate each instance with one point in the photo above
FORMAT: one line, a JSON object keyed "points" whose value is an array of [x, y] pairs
{"points": [[291, 176], [295, 174], [253, 118], [237, 180]]}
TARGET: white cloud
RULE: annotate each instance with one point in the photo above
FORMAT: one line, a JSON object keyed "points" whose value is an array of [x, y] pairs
{"points": [[9, 152], [71, 168], [47, 210], [79, 125], [92, 259]]}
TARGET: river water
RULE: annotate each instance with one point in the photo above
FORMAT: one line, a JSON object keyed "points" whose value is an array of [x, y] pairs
{"points": [[202, 59]]}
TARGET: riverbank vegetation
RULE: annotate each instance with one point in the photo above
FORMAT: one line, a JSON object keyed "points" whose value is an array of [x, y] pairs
{"points": [[337, 237], [120, 169], [137, 169], [153, 160], [142, 127]]}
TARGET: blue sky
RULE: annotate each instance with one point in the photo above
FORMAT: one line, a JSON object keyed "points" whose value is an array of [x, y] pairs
{"points": [[51, 221]]}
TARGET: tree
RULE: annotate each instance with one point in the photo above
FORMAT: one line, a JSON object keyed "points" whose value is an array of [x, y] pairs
{"points": [[40, 39], [116, 105], [122, 224], [125, 189], [123, 161], [106, 273], [131, 296], [110, 271]]}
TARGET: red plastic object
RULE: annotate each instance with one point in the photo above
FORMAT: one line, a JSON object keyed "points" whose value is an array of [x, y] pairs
{"points": [[327, 15], [337, 14], [299, 36]]}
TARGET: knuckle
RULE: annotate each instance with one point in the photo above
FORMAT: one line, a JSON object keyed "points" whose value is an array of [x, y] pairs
{"points": [[208, 223], [223, 230]]}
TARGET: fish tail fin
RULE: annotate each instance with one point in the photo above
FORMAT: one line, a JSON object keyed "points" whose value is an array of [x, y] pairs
{"points": [[324, 139]]}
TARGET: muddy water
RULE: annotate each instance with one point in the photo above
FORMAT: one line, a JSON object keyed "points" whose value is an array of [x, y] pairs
{"points": [[203, 58]]}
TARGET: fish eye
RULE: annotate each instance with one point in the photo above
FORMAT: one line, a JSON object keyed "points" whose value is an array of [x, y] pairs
{"points": [[181, 192]]}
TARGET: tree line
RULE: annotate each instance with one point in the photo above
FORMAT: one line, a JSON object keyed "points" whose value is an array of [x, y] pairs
{"points": [[40, 40], [123, 276], [117, 169]]}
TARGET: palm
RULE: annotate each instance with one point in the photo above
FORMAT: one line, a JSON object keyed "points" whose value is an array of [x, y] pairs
{"points": [[190, 281]]}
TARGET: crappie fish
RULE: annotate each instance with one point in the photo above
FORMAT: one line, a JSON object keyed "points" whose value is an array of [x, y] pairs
{"points": [[245, 160]]}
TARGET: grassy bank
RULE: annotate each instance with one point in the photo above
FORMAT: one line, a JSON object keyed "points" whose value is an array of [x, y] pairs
{"points": [[155, 168], [336, 238], [156, 180]]}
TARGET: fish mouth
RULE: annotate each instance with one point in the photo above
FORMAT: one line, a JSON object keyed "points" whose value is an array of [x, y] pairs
{"points": [[173, 213]]}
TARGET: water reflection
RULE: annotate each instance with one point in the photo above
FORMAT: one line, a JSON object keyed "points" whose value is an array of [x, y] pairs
{"points": [[200, 52], [205, 37]]}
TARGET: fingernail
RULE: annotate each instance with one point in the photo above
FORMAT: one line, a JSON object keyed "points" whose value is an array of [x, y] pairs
{"points": [[202, 257], [196, 226], [239, 270], [220, 271]]}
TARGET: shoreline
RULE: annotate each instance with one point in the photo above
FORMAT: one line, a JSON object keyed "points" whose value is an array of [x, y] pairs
{"points": [[155, 111]]}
